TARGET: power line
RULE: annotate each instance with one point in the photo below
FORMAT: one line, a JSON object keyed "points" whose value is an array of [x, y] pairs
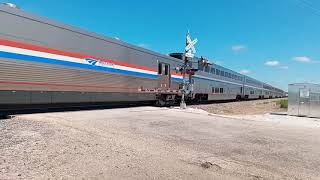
{"points": [[309, 5]]}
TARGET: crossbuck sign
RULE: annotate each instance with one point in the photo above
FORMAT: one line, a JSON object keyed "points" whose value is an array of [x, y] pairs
{"points": [[190, 49]]}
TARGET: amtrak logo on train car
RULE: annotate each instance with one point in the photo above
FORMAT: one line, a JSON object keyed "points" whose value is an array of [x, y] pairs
{"points": [[95, 62], [91, 61]]}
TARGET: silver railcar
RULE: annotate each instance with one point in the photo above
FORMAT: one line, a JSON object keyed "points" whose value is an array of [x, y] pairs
{"points": [[43, 62]]}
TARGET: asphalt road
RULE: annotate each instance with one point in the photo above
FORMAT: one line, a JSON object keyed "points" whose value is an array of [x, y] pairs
{"points": [[158, 143]]}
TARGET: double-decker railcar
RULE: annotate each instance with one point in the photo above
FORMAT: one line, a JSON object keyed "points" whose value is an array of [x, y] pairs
{"points": [[43, 62], [214, 82]]}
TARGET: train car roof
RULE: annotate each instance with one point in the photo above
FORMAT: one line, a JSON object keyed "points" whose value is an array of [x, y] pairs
{"points": [[23, 14]]}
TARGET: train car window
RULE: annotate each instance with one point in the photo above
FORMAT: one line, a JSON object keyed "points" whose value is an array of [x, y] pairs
{"points": [[229, 75], [213, 70], [207, 69], [217, 72], [222, 73], [221, 90], [200, 67], [212, 89], [160, 68], [216, 90], [166, 70]]}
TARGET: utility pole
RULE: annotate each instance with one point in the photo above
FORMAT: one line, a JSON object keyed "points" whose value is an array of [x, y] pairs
{"points": [[189, 52], [183, 104]]}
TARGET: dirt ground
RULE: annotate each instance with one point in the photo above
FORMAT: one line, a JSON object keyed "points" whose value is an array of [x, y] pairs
{"points": [[158, 143], [243, 107]]}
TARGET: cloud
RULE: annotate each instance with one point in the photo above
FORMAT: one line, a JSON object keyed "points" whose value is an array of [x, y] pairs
{"points": [[272, 63], [275, 63], [284, 67], [238, 48], [143, 45], [217, 62], [303, 59], [245, 71]]}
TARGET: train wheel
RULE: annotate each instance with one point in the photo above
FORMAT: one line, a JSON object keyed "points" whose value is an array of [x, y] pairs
{"points": [[165, 100], [161, 103]]}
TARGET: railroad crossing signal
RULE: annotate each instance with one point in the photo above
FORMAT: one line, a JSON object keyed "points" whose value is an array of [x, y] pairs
{"points": [[187, 70], [190, 50]]}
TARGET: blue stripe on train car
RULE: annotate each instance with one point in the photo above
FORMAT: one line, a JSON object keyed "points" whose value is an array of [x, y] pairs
{"points": [[72, 64]]}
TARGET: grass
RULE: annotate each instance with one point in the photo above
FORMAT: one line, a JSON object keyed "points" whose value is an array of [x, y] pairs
{"points": [[283, 103]]}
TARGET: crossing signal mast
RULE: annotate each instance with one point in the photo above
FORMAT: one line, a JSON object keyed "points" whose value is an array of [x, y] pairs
{"points": [[186, 69]]}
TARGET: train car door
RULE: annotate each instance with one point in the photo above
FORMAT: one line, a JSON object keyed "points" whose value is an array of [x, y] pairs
{"points": [[314, 104], [304, 102], [164, 76]]}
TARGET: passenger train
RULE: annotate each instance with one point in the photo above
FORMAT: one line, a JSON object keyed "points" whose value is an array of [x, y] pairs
{"points": [[43, 62]]}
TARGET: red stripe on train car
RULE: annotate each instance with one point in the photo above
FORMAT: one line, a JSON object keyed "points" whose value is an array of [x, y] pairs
{"points": [[70, 54]]}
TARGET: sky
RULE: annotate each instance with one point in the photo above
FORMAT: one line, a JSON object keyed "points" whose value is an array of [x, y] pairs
{"points": [[274, 41]]}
